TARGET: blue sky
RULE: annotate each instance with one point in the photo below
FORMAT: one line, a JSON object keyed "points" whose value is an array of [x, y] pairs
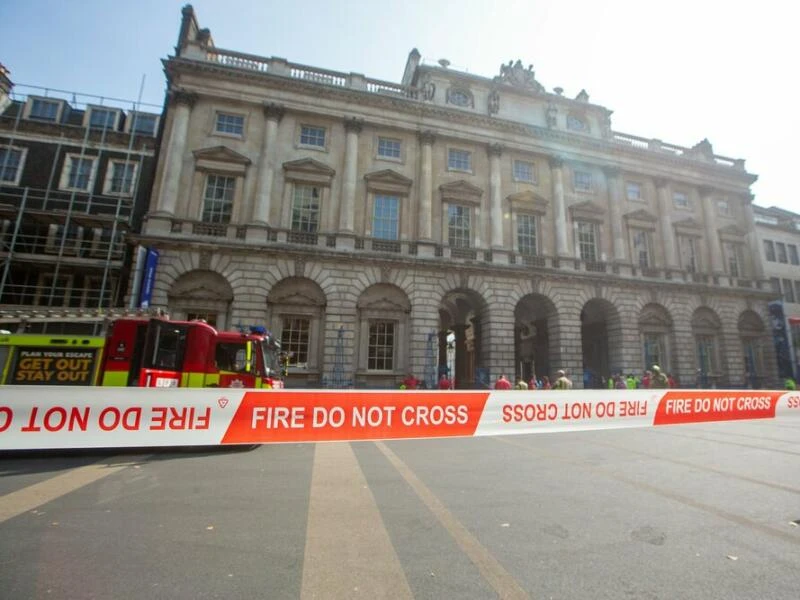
{"points": [[679, 71]]}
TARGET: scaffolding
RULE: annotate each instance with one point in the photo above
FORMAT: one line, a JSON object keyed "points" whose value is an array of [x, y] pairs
{"points": [[63, 244]]}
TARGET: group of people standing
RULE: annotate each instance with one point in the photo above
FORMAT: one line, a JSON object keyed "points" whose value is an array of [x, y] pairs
{"points": [[562, 382]]}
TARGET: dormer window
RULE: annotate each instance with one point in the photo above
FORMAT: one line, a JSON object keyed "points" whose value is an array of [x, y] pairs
{"points": [[42, 109], [143, 124], [103, 118], [576, 123], [459, 97]]}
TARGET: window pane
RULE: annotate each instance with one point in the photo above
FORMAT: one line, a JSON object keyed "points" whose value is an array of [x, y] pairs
{"points": [[295, 339], [575, 123], [732, 257], [312, 136], [380, 351], [218, 201], [44, 110], [633, 190], [776, 285], [305, 209], [386, 217], [9, 163], [680, 199], [781, 252], [706, 355], [144, 124], [122, 177], [793, 258], [587, 241], [724, 208], [788, 290], [458, 226], [688, 250], [388, 148], [582, 181], [459, 159], [769, 250], [523, 171], [80, 169], [641, 248], [100, 118], [526, 235], [232, 124], [654, 350]]}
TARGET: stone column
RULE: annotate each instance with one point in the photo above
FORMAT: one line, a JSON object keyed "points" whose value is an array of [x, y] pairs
{"points": [[461, 357], [426, 139], [752, 238], [664, 221], [266, 164], [559, 208], [182, 103], [352, 128], [614, 205], [712, 231], [496, 196]]}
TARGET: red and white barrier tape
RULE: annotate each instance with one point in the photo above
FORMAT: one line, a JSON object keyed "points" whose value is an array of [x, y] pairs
{"points": [[69, 417]]}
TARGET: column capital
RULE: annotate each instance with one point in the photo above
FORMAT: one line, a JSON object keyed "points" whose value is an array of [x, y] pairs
{"points": [[611, 172], [555, 162], [705, 190], [661, 182], [427, 137], [495, 149], [179, 97], [353, 124], [273, 111]]}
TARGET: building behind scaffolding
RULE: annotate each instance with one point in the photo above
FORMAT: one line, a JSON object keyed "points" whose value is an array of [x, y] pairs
{"points": [[75, 176]]}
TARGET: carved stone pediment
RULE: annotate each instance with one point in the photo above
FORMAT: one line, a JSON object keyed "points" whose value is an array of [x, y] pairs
{"points": [[295, 299], [205, 292], [654, 316], [308, 170], [641, 219], [384, 305], [221, 159], [528, 201], [389, 181], [732, 233], [461, 191], [587, 211], [689, 227], [705, 319], [751, 323]]}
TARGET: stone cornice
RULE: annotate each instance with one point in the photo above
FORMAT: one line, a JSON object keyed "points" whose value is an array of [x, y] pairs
{"points": [[427, 110]]}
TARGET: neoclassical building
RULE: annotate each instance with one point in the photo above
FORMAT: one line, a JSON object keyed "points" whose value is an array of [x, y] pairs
{"points": [[378, 228]]}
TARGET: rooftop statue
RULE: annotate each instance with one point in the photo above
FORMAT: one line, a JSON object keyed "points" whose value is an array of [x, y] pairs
{"points": [[515, 74]]}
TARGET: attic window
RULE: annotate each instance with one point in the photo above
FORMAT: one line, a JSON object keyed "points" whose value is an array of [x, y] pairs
{"points": [[459, 97], [576, 123]]}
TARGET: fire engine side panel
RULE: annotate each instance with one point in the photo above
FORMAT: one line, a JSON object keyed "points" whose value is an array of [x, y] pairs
{"points": [[121, 347]]}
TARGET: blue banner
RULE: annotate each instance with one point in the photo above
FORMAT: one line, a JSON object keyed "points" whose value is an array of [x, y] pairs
{"points": [[780, 336], [148, 278]]}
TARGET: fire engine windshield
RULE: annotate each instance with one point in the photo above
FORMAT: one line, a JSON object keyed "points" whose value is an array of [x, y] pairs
{"points": [[271, 358], [165, 345]]}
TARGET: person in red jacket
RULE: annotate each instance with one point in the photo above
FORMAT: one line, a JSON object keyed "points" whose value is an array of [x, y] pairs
{"points": [[410, 382], [502, 383], [444, 382]]}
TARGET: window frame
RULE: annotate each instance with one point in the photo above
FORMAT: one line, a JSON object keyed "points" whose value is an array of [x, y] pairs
{"points": [[66, 169], [383, 138], [91, 110], [691, 240], [309, 146], [317, 212], [733, 256], [794, 257], [576, 123], [578, 186], [647, 236], [376, 200], [640, 194], [451, 158], [109, 179], [680, 193], [727, 211], [518, 161], [467, 211], [581, 243], [769, 251], [59, 104], [787, 290], [20, 165], [782, 255], [133, 118], [393, 350], [287, 345], [530, 217], [224, 114], [223, 202]]}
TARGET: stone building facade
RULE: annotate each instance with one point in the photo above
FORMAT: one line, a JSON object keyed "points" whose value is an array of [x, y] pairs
{"points": [[377, 227]]}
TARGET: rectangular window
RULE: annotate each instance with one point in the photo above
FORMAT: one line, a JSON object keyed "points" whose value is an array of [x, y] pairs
{"points": [[788, 290], [633, 191], [459, 160], [776, 285], [523, 171], [54, 291], [793, 258], [295, 340], [386, 217], [582, 181], [688, 249], [641, 248], [388, 148], [230, 124], [305, 209], [144, 124], [680, 199], [732, 252], [797, 291], [380, 351], [724, 208], [312, 136], [122, 176], [587, 241], [654, 350], [769, 250], [80, 173], [10, 161], [526, 235], [102, 118], [781, 247], [706, 355], [218, 201], [44, 110], [459, 231]]}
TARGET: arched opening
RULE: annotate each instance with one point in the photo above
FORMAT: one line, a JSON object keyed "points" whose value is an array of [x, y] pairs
{"points": [[706, 329], [463, 318], [655, 331], [536, 350], [601, 342], [752, 333], [201, 295]]}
